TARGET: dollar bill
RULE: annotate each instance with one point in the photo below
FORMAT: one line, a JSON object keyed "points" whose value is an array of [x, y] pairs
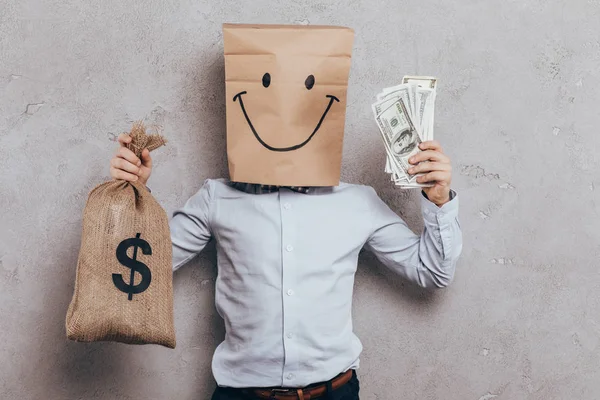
{"points": [[429, 82], [401, 91], [409, 107], [408, 93], [425, 110], [422, 105], [400, 134]]}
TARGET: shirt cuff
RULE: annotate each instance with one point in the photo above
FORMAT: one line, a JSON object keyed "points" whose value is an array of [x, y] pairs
{"points": [[434, 214]]}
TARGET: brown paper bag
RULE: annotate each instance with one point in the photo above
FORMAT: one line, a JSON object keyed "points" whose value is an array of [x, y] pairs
{"points": [[123, 285], [286, 102]]}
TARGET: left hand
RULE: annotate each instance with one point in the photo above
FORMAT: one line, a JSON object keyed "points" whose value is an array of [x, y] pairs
{"points": [[435, 167]]}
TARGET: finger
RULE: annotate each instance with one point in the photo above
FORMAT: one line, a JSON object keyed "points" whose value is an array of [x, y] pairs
{"points": [[146, 159], [123, 139], [120, 174], [124, 165], [431, 145], [435, 176], [429, 167], [429, 155], [126, 154]]}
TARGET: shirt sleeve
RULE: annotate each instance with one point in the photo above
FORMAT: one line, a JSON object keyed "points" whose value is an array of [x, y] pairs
{"points": [[191, 226], [428, 260]]}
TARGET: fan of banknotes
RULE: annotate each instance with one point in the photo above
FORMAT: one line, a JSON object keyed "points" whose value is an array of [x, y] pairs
{"points": [[404, 114]]}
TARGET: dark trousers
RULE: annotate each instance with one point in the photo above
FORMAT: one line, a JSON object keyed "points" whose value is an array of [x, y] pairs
{"points": [[347, 392]]}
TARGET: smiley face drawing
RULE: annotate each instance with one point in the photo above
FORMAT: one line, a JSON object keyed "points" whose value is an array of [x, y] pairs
{"points": [[286, 95], [309, 83]]}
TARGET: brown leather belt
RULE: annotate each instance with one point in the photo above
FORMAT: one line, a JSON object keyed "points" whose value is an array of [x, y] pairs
{"points": [[307, 393]]}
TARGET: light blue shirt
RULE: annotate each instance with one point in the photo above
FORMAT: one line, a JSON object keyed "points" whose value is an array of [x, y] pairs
{"points": [[286, 265]]}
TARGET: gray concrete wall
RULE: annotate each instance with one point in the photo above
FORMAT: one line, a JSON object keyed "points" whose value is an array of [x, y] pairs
{"points": [[517, 111]]}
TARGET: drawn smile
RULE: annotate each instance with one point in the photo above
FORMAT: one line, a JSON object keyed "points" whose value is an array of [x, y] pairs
{"points": [[295, 147]]}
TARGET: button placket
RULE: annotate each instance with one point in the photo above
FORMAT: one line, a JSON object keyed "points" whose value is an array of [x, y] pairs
{"points": [[289, 266]]}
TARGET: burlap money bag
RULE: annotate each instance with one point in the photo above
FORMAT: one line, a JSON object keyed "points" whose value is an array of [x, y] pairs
{"points": [[123, 285]]}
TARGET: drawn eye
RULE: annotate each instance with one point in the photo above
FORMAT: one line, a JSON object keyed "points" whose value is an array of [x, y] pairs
{"points": [[266, 79], [309, 82]]}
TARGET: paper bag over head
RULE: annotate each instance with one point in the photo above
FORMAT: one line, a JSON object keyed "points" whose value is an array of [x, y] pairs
{"points": [[286, 102]]}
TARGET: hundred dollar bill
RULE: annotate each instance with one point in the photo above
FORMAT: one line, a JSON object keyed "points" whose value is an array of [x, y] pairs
{"points": [[399, 133], [418, 94], [429, 82], [402, 182], [400, 91], [391, 166], [424, 82], [425, 110]]}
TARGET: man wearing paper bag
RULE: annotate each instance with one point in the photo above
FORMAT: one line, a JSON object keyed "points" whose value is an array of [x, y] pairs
{"points": [[288, 233]]}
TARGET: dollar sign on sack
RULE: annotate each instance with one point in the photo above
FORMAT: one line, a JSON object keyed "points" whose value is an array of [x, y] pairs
{"points": [[135, 266]]}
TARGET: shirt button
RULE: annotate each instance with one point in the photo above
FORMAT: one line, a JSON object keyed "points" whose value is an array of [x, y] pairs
{"points": [[290, 376], [290, 335], [287, 206], [289, 247], [290, 292]]}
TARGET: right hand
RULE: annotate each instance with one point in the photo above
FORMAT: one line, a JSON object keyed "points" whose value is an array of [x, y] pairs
{"points": [[125, 165]]}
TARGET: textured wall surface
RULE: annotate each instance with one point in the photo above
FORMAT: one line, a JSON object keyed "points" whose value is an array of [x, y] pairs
{"points": [[517, 111]]}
